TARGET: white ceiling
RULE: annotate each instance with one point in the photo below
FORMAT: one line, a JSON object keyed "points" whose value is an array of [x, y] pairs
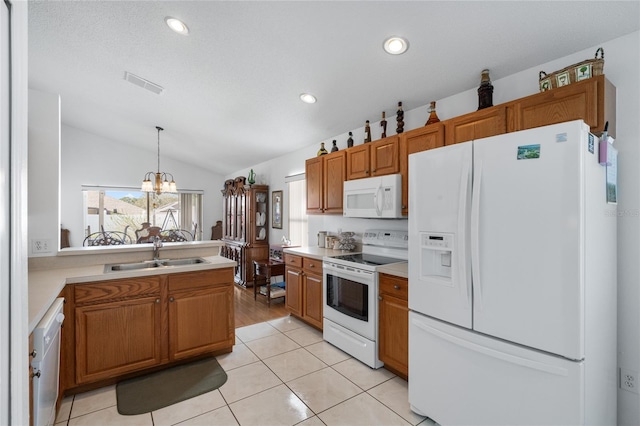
{"points": [[232, 85]]}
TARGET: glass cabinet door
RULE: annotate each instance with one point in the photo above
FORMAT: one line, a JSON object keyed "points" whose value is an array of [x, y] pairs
{"points": [[262, 216]]}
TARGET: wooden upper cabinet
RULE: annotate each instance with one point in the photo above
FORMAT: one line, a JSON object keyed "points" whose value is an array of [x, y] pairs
{"points": [[335, 173], [325, 177], [385, 156], [374, 159], [417, 140], [480, 124], [592, 100], [313, 175], [358, 162]]}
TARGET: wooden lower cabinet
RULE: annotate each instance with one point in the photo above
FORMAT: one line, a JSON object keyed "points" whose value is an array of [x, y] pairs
{"points": [[201, 316], [123, 326], [304, 288], [117, 337], [393, 324]]}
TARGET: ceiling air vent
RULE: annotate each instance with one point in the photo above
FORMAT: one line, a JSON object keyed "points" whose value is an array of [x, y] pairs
{"points": [[145, 84]]}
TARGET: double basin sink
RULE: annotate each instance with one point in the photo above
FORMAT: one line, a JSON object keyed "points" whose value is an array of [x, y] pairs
{"points": [[153, 264]]}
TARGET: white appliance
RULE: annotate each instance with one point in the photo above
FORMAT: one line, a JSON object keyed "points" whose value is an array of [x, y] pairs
{"points": [[46, 364], [512, 281], [375, 197], [350, 293]]}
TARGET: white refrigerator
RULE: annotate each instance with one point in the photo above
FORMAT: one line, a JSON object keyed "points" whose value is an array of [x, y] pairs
{"points": [[512, 281]]}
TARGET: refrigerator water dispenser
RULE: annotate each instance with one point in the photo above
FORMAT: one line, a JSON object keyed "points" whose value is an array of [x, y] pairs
{"points": [[436, 252]]}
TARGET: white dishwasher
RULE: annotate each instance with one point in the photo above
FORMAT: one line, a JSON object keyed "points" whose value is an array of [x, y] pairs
{"points": [[46, 364]]}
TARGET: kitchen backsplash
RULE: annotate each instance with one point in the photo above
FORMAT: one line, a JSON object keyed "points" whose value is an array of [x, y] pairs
{"points": [[333, 224]]}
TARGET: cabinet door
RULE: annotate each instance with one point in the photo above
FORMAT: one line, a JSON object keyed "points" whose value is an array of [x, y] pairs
{"points": [[116, 338], [358, 162], [417, 140], [480, 124], [579, 101], [313, 176], [394, 333], [200, 321], [335, 173], [293, 298], [312, 299], [384, 156]]}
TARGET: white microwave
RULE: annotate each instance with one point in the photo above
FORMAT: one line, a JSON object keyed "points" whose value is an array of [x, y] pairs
{"points": [[375, 197]]}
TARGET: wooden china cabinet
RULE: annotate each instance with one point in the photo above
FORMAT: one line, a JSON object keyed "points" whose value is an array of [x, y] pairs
{"points": [[245, 226]]}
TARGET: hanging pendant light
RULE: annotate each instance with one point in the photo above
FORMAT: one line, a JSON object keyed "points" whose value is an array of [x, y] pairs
{"points": [[160, 182]]}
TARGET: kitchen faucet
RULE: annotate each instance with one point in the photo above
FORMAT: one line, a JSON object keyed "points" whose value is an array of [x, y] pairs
{"points": [[157, 245]]}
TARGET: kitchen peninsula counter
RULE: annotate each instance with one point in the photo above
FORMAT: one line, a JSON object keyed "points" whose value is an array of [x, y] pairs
{"points": [[46, 283]]}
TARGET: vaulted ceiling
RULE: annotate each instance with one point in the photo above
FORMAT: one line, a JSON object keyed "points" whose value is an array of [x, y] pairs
{"points": [[232, 86]]}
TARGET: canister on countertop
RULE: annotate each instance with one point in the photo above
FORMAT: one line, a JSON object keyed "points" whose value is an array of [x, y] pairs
{"points": [[322, 235]]}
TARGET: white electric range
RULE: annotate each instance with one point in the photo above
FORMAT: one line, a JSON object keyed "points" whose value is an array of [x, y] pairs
{"points": [[350, 293]]}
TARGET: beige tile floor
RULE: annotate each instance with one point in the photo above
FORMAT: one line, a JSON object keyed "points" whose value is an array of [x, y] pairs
{"points": [[280, 372]]}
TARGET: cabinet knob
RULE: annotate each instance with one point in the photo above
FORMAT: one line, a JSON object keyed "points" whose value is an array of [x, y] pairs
{"points": [[404, 207], [397, 287], [379, 297], [33, 353], [171, 299], [374, 170], [36, 374], [366, 172], [157, 300]]}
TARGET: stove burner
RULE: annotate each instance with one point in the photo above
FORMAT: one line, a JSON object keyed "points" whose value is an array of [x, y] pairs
{"points": [[368, 259]]}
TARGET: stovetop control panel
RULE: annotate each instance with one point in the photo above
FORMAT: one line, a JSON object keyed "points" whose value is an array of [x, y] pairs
{"points": [[386, 238]]}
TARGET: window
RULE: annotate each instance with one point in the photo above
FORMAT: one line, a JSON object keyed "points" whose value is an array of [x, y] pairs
{"points": [[298, 233], [126, 209]]}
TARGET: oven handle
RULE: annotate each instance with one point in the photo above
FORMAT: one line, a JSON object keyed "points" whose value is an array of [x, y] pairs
{"points": [[367, 276]]}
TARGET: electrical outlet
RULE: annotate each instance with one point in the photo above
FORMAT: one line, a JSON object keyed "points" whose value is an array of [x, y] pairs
{"points": [[629, 380], [41, 246]]}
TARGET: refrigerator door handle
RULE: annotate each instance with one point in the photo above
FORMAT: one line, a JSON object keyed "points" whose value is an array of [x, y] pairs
{"points": [[475, 237], [465, 183], [513, 359]]}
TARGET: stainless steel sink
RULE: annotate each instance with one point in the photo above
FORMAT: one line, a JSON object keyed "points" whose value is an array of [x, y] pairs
{"points": [[153, 264], [180, 262]]}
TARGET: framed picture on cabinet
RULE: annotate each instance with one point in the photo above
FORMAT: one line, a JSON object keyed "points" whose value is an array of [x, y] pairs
{"points": [[276, 209]]}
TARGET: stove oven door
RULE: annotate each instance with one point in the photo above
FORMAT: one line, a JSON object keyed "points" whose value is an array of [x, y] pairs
{"points": [[350, 299]]}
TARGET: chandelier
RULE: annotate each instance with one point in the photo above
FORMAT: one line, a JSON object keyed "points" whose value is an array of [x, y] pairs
{"points": [[161, 183]]}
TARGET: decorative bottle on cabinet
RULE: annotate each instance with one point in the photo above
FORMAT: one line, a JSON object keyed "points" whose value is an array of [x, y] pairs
{"points": [[367, 132], [334, 148], [322, 150], [350, 140], [485, 91], [433, 117], [400, 119]]}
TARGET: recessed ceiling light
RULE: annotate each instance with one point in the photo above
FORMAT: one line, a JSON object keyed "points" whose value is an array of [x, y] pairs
{"points": [[177, 25], [308, 98], [395, 45]]}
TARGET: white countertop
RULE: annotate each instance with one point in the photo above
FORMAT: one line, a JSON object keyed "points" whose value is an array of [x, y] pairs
{"points": [[314, 252], [45, 285], [397, 269]]}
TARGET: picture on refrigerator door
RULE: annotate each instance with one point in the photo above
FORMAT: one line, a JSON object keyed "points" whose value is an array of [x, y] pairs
{"points": [[527, 152]]}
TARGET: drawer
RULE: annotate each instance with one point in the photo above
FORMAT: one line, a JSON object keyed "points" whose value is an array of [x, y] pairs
{"points": [[394, 286], [104, 291], [293, 260], [313, 266], [200, 279]]}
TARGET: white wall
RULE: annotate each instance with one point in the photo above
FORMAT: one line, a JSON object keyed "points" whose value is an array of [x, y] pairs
{"points": [[44, 170], [621, 68], [63, 158], [88, 159]]}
